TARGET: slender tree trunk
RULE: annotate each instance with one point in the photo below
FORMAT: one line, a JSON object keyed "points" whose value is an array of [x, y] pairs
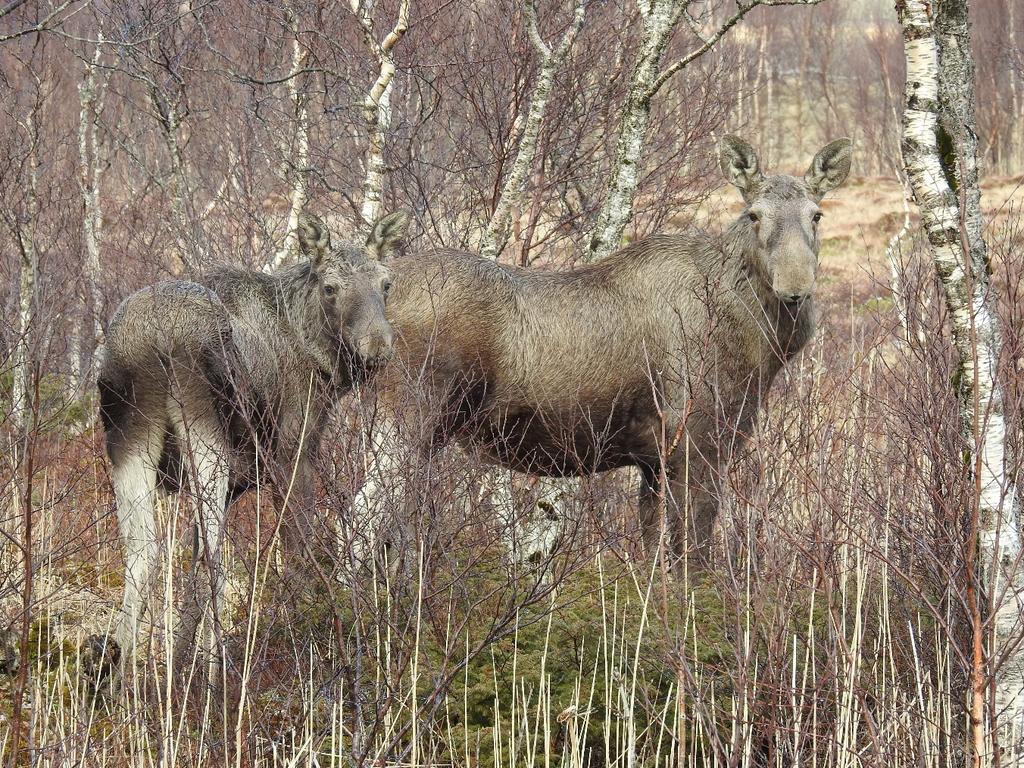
{"points": [[759, 80], [497, 232], [299, 167], [188, 241], [377, 105], [940, 153], [798, 93], [90, 94], [230, 180], [27, 281], [773, 142], [659, 19], [378, 123], [22, 342], [533, 217], [1016, 73]]}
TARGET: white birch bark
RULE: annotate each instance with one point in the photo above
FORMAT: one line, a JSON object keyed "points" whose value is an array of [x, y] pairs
{"points": [[498, 228], [21, 414], [90, 95], [377, 104], [299, 166], [953, 224], [658, 21]]}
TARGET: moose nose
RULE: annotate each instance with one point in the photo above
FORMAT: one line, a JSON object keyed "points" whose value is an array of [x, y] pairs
{"points": [[376, 349], [791, 299]]}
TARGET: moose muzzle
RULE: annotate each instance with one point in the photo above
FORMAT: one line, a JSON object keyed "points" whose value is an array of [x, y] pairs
{"points": [[376, 347]]}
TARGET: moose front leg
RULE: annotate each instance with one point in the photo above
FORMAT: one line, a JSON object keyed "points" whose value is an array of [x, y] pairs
{"points": [[301, 537], [693, 496], [652, 509]]}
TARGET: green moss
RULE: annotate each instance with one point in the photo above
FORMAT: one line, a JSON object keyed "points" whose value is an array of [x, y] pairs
{"points": [[45, 648], [606, 661], [877, 305], [594, 665], [573, 644]]}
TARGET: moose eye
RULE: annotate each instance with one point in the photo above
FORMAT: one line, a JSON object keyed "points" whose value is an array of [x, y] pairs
{"points": [[817, 217], [330, 290]]}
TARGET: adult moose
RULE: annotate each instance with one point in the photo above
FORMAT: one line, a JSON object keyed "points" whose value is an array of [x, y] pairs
{"points": [[655, 357], [228, 382]]}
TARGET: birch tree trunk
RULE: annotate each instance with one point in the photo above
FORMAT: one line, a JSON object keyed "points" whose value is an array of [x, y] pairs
{"points": [[940, 154], [658, 21], [90, 95], [297, 170], [21, 415], [1016, 140], [377, 104], [497, 233]]}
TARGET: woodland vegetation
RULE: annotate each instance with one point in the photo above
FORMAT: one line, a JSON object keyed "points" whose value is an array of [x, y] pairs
{"points": [[866, 604]]}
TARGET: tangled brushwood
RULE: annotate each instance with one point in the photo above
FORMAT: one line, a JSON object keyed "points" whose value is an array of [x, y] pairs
{"points": [[413, 383]]}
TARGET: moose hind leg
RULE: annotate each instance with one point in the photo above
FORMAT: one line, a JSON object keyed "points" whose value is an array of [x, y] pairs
{"points": [[651, 511], [135, 482], [205, 458]]}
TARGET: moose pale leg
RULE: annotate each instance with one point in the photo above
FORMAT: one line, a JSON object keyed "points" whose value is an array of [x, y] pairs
{"points": [[204, 457], [134, 478]]}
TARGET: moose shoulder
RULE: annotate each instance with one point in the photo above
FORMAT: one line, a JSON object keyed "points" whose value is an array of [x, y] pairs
{"points": [[651, 357], [200, 379]]}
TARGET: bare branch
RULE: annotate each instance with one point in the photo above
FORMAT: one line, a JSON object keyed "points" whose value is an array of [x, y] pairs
{"points": [[12, 6], [496, 234], [42, 25]]}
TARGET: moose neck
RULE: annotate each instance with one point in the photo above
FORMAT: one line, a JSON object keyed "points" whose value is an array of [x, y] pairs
{"points": [[785, 330]]}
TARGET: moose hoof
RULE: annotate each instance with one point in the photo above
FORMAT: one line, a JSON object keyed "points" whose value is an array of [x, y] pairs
{"points": [[100, 657], [10, 653]]}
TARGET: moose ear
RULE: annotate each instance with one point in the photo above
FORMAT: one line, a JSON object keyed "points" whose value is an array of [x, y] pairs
{"points": [[739, 165], [830, 167], [387, 234], [314, 237]]}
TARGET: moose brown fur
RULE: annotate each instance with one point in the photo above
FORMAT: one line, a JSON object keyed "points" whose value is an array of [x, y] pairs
{"points": [[200, 379], [653, 357]]}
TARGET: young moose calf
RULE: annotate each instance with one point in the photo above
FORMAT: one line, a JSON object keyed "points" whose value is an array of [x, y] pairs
{"points": [[229, 380], [657, 356]]}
